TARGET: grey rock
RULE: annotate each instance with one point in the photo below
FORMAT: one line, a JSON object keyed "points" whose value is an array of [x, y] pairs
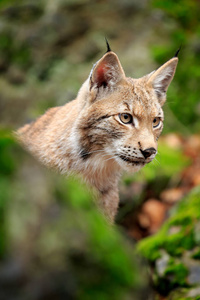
{"points": [[161, 263]]}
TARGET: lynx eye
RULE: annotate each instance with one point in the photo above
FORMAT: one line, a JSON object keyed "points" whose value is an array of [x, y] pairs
{"points": [[126, 118], [156, 122]]}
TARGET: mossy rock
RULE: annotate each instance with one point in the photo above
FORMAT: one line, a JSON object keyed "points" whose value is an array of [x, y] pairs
{"points": [[174, 252]]}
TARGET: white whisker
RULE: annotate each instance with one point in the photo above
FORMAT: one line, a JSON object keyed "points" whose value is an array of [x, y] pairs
{"points": [[112, 157], [95, 151], [157, 161]]}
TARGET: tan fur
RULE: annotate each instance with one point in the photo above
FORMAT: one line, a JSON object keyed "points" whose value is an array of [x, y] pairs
{"points": [[87, 135]]}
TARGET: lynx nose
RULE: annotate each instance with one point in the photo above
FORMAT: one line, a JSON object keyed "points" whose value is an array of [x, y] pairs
{"points": [[148, 152]]}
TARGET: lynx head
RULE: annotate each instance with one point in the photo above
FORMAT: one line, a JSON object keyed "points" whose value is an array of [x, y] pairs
{"points": [[121, 118]]}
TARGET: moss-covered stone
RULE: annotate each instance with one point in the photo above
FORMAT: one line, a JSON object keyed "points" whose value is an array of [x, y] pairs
{"points": [[185, 294], [180, 246]]}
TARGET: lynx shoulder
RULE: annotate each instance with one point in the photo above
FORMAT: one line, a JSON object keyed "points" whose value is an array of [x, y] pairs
{"points": [[112, 125]]}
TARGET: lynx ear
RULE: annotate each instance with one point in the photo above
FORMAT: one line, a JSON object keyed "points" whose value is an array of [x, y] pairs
{"points": [[106, 72], [162, 77]]}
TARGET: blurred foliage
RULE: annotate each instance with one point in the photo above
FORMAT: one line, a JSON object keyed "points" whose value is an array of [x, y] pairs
{"points": [[184, 92], [7, 168], [54, 241], [7, 161], [185, 12], [13, 53]]}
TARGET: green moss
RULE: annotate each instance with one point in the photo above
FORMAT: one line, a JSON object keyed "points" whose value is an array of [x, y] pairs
{"points": [[176, 244], [177, 273]]}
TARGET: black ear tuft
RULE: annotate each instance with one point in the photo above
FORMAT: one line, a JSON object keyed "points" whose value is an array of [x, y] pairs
{"points": [[108, 46], [177, 52]]}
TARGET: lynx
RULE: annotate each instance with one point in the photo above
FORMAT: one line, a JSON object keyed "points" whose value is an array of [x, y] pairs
{"points": [[112, 125]]}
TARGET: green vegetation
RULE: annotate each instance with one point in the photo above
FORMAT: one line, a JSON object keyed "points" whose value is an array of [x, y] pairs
{"points": [[8, 166]]}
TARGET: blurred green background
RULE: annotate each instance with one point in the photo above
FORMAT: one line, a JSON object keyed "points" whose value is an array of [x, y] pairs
{"points": [[54, 244]]}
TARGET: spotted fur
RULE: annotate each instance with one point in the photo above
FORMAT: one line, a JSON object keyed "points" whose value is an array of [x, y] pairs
{"points": [[87, 135]]}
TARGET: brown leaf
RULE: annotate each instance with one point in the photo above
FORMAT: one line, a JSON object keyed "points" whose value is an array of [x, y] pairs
{"points": [[192, 146], [152, 215], [172, 195], [173, 140]]}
